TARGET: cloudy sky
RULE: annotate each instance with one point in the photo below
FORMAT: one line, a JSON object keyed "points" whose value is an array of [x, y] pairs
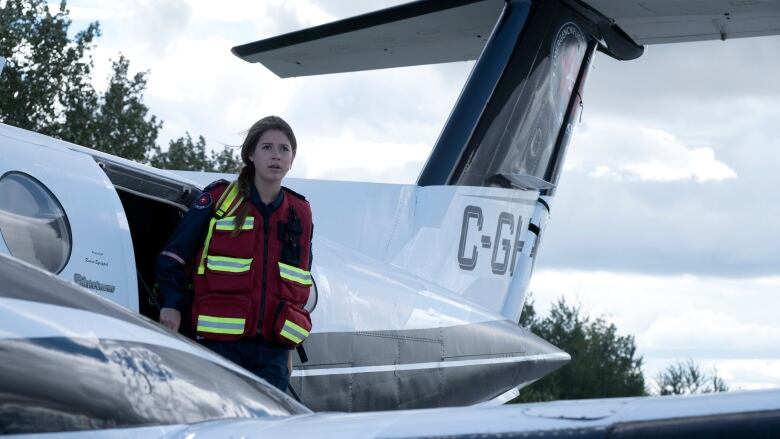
{"points": [[666, 219]]}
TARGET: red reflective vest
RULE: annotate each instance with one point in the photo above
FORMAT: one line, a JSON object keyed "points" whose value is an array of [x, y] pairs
{"points": [[256, 279]]}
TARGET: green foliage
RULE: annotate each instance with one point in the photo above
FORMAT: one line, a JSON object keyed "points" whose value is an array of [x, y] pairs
{"points": [[121, 127], [226, 161], [603, 365], [46, 83], [184, 154], [686, 378], [46, 87]]}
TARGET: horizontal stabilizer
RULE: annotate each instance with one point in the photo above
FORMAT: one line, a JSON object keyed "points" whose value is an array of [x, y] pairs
{"points": [[674, 21], [421, 32]]}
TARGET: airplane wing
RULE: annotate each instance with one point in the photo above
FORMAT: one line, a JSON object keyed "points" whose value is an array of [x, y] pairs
{"points": [[740, 414], [434, 31], [422, 32], [665, 21]]}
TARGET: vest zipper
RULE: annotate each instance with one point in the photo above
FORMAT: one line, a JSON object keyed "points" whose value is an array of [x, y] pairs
{"points": [[266, 229]]}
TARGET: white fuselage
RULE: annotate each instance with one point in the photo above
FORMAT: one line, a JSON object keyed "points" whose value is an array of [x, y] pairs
{"points": [[412, 283]]}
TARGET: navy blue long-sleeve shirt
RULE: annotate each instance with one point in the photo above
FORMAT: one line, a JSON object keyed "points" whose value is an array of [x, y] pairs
{"points": [[188, 238]]}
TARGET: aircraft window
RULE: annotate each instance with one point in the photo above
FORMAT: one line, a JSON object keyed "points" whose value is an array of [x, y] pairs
{"points": [[32, 222]]}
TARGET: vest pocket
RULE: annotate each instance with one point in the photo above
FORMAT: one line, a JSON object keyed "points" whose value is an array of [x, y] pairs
{"points": [[229, 274], [291, 324], [295, 283], [220, 317], [224, 243]]}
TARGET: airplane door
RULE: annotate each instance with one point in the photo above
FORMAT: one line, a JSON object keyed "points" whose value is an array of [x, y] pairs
{"points": [[60, 212]]}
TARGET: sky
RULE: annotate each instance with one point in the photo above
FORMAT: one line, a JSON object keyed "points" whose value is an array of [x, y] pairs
{"points": [[666, 217]]}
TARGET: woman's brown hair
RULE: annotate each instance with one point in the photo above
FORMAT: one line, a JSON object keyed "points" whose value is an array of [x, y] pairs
{"points": [[247, 174]]}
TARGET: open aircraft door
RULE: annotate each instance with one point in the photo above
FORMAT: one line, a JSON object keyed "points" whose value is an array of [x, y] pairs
{"points": [[59, 211]]}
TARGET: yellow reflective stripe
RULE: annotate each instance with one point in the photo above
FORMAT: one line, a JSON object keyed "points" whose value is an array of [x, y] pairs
{"points": [[224, 194], [235, 206], [220, 325], [294, 274], [293, 332], [229, 223], [294, 269], [303, 332], [228, 264], [202, 265], [287, 335], [232, 192], [224, 202], [214, 319]]}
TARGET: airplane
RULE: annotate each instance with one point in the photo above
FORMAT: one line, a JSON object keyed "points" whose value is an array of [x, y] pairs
{"points": [[420, 288]]}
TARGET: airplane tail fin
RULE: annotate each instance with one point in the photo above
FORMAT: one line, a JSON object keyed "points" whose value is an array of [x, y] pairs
{"points": [[479, 243]]}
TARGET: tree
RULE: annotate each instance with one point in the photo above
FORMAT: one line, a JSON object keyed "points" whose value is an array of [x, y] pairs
{"points": [[46, 83], [686, 378], [226, 161], [46, 87], [604, 364], [122, 125], [184, 154]]}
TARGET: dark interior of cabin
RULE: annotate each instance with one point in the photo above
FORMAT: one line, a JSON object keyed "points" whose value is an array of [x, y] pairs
{"points": [[151, 224]]}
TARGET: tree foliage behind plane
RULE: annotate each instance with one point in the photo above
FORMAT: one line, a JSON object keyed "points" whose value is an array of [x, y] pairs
{"points": [[183, 153], [604, 364], [686, 378], [47, 87]]}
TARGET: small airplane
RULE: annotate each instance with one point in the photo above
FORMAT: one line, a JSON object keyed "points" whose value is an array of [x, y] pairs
{"points": [[418, 290]]}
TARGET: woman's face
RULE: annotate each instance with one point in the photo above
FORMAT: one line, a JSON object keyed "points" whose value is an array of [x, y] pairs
{"points": [[272, 157]]}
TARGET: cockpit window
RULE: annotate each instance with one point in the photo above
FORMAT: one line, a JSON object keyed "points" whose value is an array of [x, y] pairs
{"points": [[33, 224]]}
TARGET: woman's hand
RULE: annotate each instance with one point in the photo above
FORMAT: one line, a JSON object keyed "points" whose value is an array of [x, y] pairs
{"points": [[170, 318]]}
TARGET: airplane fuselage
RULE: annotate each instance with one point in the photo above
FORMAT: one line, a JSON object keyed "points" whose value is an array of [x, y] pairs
{"points": [[409, 288]]}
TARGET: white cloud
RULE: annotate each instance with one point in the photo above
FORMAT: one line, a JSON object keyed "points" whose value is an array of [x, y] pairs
{"points": [[348, 158], [624, 149], [156, 24], [91, 13], [261, 13], [727, 323], [748, 374], [636, 301], [708, 329]]}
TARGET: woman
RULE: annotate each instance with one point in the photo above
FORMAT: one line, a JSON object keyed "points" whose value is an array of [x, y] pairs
{"points": [[249, 246]]}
